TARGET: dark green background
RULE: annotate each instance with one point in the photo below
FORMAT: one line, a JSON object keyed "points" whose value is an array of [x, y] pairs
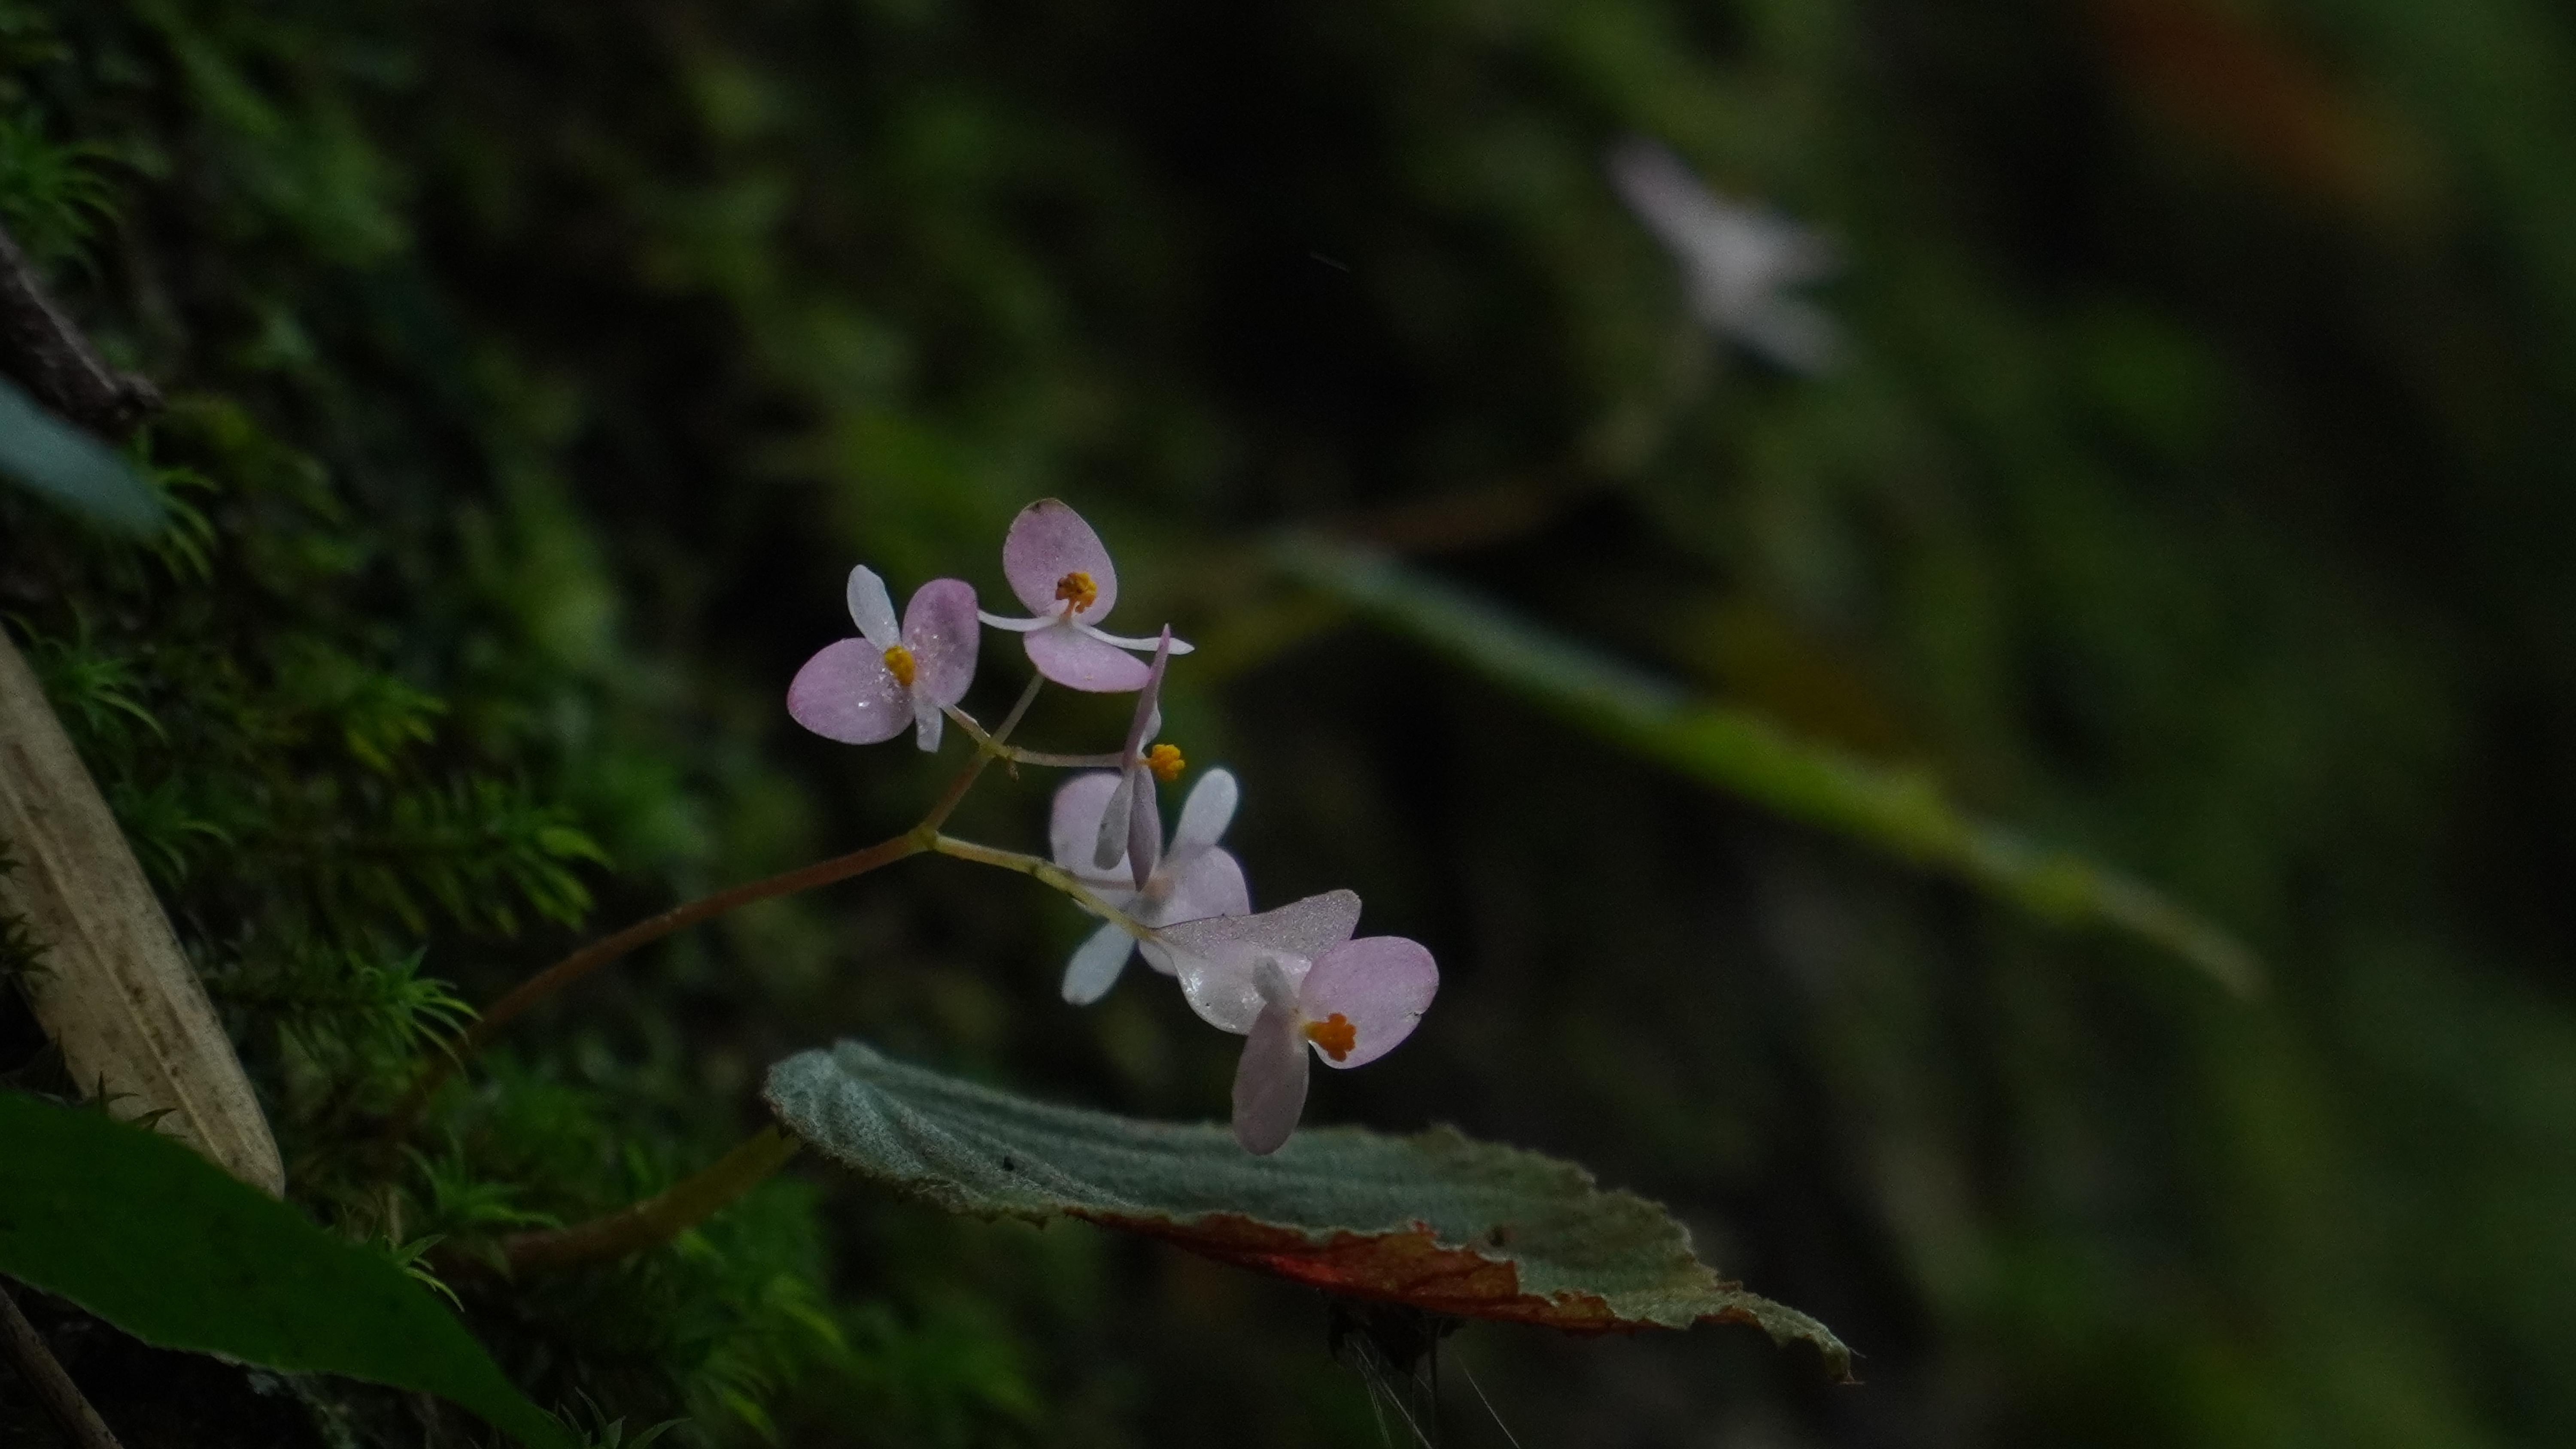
{"points": [[2195, 493]]}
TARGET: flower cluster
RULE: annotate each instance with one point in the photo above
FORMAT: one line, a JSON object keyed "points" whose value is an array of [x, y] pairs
{"points": [[1289, 981]]}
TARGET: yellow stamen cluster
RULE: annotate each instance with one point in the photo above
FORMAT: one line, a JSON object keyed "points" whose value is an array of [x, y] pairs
{"points": [[1166, 762], [1077, 589], [898, 662], [1334, 1034]]}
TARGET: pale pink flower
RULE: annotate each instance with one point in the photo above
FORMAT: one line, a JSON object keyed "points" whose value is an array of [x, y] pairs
{"points": [[1195, 878], [860, 691], [1291, 979], [1060, 571]]}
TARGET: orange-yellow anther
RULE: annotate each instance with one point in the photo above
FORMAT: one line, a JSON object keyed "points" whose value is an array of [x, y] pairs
{"points": [[1334, 1034], [899, 663], [1077, 589], [1166, 762]]}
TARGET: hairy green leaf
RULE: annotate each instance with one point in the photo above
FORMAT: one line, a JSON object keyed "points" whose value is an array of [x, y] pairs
{"points": [[69, 466], [1436, 1220], [1894, 808], [149, 1236]]}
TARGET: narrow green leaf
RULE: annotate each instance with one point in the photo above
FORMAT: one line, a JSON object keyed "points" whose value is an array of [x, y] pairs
{"points": [[1901, 810], [1435, 1220], [71, 467], [163, 1244]]}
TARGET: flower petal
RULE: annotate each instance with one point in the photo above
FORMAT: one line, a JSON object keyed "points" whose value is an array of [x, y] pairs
{"points": [[1016, 626], [872, 609], [1207, 884], [846, 693], [1381, 985], [939, 628], [1110, 846], [1216, 981], [1147, 722], [927, 724], [1130, 641], [1047, 541], [1306, 928], [1215, 958], [1206, 813], [1096, 964], [1144, 829], [1269, 1083], [1078, 661], [1073, 823]]}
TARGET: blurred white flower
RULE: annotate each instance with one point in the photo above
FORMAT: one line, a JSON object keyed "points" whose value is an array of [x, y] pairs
{"points": [[1739, 260]]}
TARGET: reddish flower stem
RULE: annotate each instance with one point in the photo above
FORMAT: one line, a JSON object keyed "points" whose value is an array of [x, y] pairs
{"points": [[609, 948], [658, 1219]]}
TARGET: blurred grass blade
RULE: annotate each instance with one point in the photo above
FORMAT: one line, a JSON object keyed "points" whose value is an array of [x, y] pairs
{"points": [[1894, 808], [1436, 1221], [151, 1237], [69, 466]]}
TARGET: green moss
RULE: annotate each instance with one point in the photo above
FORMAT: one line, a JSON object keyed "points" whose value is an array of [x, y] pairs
{"points": [[334, 708]]}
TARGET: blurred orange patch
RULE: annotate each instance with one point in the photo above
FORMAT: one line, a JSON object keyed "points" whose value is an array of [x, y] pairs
{"points": [[2253, 94]]}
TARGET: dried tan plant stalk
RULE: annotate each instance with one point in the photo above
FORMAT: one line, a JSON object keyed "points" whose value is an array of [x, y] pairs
{"points": [[113, 989]]}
